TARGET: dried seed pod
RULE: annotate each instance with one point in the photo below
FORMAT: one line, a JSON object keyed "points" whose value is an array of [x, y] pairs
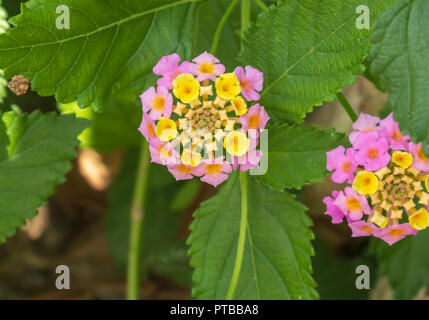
{"points": [[19, 85]]}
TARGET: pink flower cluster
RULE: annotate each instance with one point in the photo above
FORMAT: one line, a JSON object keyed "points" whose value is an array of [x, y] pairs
{"points": [[198, 109], [386, 172]]}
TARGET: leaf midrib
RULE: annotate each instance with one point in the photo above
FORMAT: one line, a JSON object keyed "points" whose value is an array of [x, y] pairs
{"points": [[106, 27]]}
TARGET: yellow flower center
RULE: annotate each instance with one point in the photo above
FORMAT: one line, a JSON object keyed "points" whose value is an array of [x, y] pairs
{"points": [[402, 159], [227, 86], [239, 105], [166, 129], [236, 143], [159, 103], [420, 219], [365, 183], [207, 68], [353, 204], [186, 87]]}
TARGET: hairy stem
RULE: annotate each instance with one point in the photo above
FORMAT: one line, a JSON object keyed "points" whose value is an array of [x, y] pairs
{"points": [[262, 5], [347, 107], [241, 238], [136, 222], [221, 25]]}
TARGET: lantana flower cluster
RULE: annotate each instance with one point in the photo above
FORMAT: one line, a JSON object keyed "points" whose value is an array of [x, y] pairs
{"points": [[197, 111], [387, 176]]}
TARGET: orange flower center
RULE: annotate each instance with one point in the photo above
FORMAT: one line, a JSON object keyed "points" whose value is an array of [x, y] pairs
{"points": [[184, 169], [245, 84], [151, 130], [213, 168], [254, 122], [396, 232], [353, 204], [373, 153], [396, 135], [159, 103], [421, 154], [174, 75], [346, 166], [366, 228]]}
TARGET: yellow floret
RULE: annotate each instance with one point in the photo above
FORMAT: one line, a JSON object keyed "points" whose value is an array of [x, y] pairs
{"points": [[186, 87], [419, 220], [227, 86], [190, 158], [366, 183], [236, 143], [166, 129], [239, 105], [379, 220], [402, 159]]}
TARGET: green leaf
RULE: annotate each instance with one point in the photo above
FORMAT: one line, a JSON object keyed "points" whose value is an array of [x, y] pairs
{"points": [[400, 57], [406, 263], [276, 262], [297, 155], [39, 162], [16, 123], [115, 128], [160, 245], [308, 50], [100, 54]]}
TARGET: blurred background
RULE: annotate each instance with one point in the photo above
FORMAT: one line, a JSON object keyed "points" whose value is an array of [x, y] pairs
{"points": [[85, 224]]}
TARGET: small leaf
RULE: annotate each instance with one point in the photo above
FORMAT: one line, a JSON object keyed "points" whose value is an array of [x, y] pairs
{"points": [[406, 264], [101, 53], [297, 155], [308, 50], [38, 163], [276, 262], [400, 58]]}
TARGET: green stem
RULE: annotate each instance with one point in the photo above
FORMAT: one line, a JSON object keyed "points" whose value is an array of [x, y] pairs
{"points": [[241, 238], [245, 17], [262, 5], [136, 222], [221, 25], [245, 20], [346, 105]]}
